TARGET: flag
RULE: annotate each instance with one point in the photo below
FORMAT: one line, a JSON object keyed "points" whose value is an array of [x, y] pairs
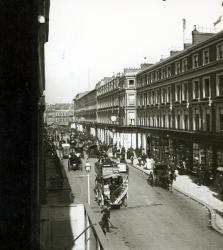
{"points": [[218, 20], [184, 24]]}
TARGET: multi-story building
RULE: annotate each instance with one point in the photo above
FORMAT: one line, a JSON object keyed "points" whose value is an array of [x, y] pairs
{"points": [[173, 109], [115, 111], [59, 114], [85, 111], [180, 104]]}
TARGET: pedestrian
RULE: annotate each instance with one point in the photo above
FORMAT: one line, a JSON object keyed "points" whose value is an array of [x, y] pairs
{"points": [[172, 178], [104, 222], [199, 174], [87, 166]]}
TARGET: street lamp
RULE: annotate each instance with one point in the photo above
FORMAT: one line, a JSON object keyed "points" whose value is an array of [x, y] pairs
{"points": [[131, 120], [113, 119]]}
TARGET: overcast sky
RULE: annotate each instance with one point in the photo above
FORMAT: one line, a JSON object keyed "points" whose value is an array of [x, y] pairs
{"points": [[91, 39]]}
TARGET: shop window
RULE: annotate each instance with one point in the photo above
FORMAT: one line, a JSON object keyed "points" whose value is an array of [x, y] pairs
{"points": [[197, 117], [208, 124], [219, 84], [219, 51], [221, 119], [196, 92], [205, 56], [220, 158], [186, 122], [195, 61]]}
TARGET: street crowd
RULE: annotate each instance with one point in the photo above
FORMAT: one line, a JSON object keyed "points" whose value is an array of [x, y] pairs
{"points": [[138, 156]]}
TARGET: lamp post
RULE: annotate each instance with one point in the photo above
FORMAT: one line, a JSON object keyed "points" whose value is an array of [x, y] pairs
{"points": [[113, 119], [131, 131]]}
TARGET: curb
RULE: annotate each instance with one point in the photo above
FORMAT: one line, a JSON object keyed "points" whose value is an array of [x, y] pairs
{"points": [[211, 210]]}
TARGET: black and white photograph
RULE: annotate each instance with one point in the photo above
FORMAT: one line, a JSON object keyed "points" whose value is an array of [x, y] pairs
{"points": [[112, 125]]}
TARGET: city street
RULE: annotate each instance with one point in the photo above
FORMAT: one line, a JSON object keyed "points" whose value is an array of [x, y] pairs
{"points": [[154, 219]]}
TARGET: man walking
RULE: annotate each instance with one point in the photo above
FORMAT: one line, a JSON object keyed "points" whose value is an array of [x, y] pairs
{"points": [[104, 222]]}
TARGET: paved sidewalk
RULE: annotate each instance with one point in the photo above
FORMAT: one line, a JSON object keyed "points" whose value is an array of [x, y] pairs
{"points": [[202, 194]]}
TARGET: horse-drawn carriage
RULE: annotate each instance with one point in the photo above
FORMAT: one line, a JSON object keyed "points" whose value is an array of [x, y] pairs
{"points": [[161, 175], [93, 151]]}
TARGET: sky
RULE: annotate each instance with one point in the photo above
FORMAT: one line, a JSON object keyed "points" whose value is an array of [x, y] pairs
{"points": [[93, 39]]}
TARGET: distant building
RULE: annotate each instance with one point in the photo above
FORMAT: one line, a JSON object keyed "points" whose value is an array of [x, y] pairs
{"points": [[59, 114]]}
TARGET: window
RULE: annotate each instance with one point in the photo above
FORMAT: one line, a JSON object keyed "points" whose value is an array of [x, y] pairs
{"points": [[195, 61], [148, 98], [168, 71], [131, 99], [196, 89], [163, 73], [177, 68], [197, 117], [157, 75], [168, 97], [152, 77], [178, 121], [157, 96], [221, 119], [153, 97], [219, 86], [207, 121], [186, 122], [148, 78], [169, 121], [184, 65], [219, 51], [184, 92], [206, 56], [163, 122], [131, 118], [163, 95], [145, 99], [206, 87], [177, 93]]}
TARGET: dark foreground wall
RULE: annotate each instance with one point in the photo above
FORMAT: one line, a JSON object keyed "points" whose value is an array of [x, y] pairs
{"points": [[18, 124]]}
